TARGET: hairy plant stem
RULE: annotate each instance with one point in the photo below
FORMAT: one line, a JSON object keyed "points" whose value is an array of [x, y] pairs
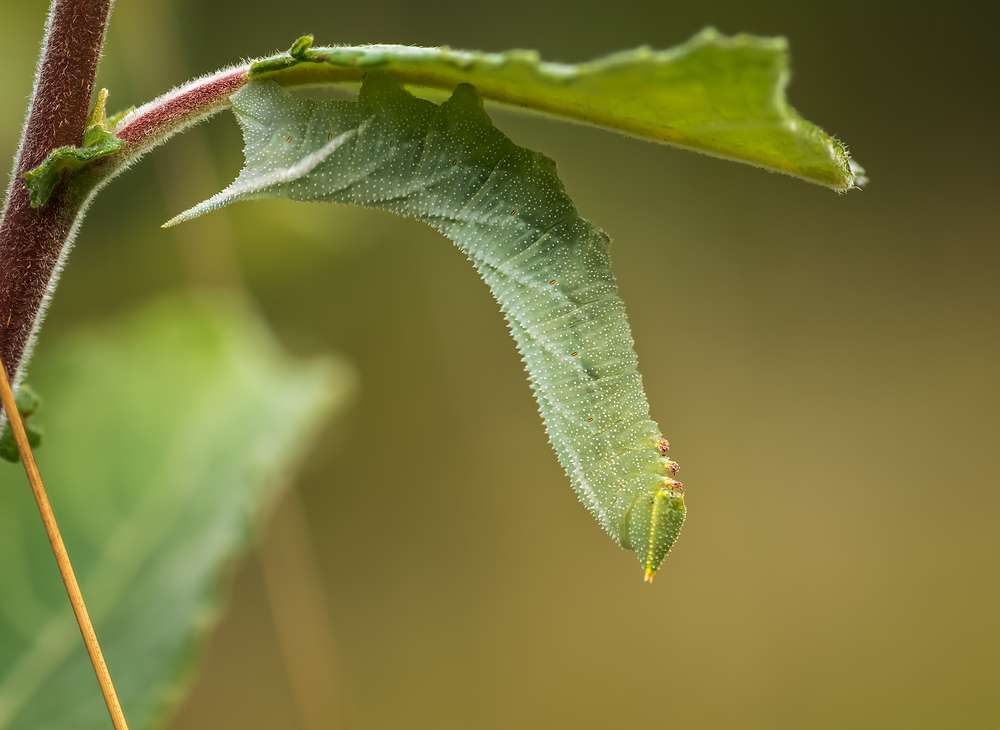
{"points": [[33, 241]]}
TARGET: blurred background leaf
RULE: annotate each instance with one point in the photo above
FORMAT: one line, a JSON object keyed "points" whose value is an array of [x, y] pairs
{"points": [[169, 434], [824, 366]]}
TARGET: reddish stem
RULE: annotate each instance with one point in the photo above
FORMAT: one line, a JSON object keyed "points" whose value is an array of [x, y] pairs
{"points": [[152, 123], [32, 240]]}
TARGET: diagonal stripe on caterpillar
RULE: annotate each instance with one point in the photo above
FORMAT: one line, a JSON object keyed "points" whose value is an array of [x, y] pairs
{"points": [[505, 207]]}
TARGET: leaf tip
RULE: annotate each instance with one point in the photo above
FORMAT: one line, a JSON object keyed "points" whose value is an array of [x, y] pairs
{"points": [[98, 115]]}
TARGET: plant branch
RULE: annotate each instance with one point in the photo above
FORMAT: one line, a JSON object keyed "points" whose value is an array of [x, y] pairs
{"points": [[153, 123], [62, 557], [33, 241]]}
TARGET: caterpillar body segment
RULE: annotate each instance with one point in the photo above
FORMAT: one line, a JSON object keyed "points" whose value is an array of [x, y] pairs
{"points": [[549, 269]]}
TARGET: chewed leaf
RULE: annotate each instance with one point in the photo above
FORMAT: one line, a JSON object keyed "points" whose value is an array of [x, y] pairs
{"points": [[506, 209], [717, 95]]}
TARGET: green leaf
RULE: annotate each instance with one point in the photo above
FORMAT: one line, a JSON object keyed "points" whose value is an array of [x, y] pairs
{"points": [[721, 96], [506, 209], [168, 434], [27, 403], [98, 142]]}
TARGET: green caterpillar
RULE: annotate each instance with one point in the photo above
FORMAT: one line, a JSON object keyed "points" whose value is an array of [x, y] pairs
{"points": [[505, 207]]}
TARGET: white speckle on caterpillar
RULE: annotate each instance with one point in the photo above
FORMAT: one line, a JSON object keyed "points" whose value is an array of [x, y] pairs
{"points": [[548, 268]]}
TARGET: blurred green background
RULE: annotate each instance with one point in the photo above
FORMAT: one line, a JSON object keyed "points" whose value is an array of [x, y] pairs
{"points": [[827, 369]]}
